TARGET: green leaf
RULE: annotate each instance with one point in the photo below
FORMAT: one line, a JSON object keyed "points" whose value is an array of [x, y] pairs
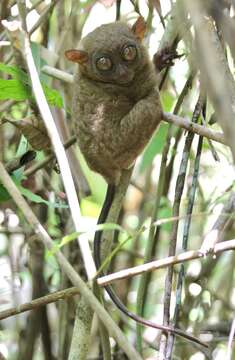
{"points": [[23, 146], [14, 90], [19, 88], [15, 72], [53, 96], [154, 147], [39, 61], [113, 253], [4, 194], [17, 177], [36, 52], [108, 226], [89, 207], [38, 199], [167, 100]]}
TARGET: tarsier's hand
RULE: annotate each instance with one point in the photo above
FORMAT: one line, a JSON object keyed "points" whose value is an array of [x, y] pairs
{"points": [[165, 58], [135, 129], [140, 123]]}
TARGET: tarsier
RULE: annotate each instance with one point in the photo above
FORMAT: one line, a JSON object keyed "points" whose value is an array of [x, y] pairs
{"points": [[116, 109]]}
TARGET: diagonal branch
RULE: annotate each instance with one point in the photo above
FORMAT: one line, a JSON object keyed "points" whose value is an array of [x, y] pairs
{"points": [[43, 300], [160, 264]]}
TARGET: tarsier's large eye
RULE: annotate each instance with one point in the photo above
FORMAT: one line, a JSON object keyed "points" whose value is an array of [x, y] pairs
{"points": [[129, 53], [104, 63]]}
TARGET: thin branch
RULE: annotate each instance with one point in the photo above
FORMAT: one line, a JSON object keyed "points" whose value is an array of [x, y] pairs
{"points": [[230, 341], [118, 9], [20, 161], [217, 231], [198, 129], [164, 351], [192, 192], [34, 304], [7, 105], [40, 164], [220, 227], [45, 13], [57, 74], [160, 264]]}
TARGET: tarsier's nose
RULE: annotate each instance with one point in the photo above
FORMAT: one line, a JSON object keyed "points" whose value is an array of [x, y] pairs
{"points": [[123, 74], [122, 71]]}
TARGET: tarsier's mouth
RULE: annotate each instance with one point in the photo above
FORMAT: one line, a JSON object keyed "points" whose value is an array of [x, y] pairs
{"points": [[120, 82], [124, 82]]}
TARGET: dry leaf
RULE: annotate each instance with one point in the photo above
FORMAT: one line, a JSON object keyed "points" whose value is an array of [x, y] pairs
{"points": [[34, 130]]}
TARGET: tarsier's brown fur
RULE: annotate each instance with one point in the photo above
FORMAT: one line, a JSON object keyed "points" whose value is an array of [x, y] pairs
{"points": [[115, 119], [115, 112]]}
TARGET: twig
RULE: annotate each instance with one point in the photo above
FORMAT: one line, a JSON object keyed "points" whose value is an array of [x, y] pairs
{"points": [[63, 294], [43, 16], [36, 5], [230, 341], [198, 109], [118, 9], [215, 234], [39, 165], [223, 222], [160, 264], [10, 230], [198, 129], [57, 74], [136, 6], [149, 250], [6, 105], [179, 187], [18, 162]]}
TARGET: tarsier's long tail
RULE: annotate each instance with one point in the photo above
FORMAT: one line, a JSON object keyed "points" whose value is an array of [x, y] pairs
{"points": [[97, 250]]}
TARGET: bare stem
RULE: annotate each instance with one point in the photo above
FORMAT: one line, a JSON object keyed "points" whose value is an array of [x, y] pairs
{"points": [[160, 264], [50, 298]]}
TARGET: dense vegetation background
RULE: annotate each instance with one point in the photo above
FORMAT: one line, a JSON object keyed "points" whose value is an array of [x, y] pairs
{"points": [[181, 192]]}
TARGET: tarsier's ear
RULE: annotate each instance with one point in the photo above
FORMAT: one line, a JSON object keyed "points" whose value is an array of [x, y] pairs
{"points": [[139, 28], [77, 56]]}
